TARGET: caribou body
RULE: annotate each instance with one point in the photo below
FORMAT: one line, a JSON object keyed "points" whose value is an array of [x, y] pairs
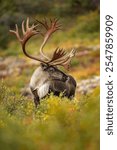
{"points": [[47, 77]]}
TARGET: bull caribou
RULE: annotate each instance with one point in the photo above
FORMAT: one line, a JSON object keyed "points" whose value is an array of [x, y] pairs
{"points": [[47, 77]]}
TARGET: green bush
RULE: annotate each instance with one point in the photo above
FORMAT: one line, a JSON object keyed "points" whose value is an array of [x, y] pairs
{"points": [[87, 26], [56, 124]]}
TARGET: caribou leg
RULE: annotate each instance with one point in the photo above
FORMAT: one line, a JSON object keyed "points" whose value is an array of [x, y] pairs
{"points": [[36, 97]]}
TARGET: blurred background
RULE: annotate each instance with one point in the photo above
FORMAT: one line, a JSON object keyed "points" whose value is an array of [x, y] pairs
{"points": [[80, 21], [80, 30]]}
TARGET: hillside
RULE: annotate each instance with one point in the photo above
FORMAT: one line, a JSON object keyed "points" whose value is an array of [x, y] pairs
{"points": [[57, 123]]}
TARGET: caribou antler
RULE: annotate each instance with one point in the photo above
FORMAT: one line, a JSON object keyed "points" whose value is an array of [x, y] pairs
{"points": [[50, 28], [27, 32], [65, 58], [58, 53], [60, 57]]}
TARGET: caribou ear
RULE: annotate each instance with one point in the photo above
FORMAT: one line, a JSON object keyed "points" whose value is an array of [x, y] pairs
{"points": [[44, 66]]}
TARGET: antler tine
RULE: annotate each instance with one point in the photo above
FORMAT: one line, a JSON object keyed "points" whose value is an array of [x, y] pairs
{"points": [[67, 63], [43, 23], [16, 32], [32, 26], [23, 29], [27, 23], [55, 24], [72, 53], [55, 20]]}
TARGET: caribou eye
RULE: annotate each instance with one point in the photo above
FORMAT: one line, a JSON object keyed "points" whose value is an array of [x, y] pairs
{"points": [[44, 66], [51, 69]]}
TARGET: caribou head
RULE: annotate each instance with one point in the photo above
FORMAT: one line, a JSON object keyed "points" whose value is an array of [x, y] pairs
{"points": [[47, 77]]}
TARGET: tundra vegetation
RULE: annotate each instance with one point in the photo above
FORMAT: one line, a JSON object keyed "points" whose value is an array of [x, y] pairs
{"points": [[57, 123]]}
